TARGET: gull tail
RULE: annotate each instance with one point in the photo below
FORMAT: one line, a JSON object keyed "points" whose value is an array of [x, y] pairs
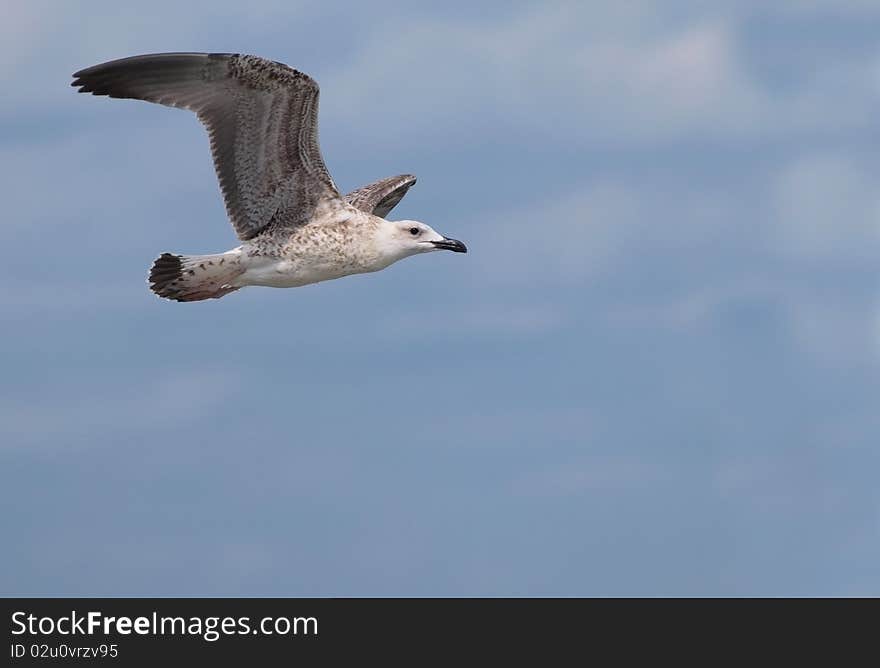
{"points": [[190, 278]]}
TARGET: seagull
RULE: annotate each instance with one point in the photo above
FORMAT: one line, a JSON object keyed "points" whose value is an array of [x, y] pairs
{"points": [[294, 226]]}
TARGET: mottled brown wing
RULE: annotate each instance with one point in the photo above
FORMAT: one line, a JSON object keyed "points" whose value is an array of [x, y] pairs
{"points": [[261, 117], [380, 197]]}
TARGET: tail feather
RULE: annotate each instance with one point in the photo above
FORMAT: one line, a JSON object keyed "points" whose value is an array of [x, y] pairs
{"points": [[190, 278]]}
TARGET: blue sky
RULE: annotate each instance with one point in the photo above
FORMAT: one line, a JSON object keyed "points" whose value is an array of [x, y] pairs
{"points": [[657, 372]]}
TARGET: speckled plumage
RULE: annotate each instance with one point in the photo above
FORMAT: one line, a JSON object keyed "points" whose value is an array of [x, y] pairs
{"points": [[262, 121]]}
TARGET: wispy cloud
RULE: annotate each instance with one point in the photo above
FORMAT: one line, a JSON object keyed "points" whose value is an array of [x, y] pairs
{"points": [[575, 74]]}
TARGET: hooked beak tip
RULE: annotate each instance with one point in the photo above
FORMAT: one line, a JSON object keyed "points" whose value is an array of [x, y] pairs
{"points": [[453, 245]]}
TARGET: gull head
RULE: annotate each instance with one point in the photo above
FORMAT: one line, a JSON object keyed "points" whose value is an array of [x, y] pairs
{"points": [[401, 238]]}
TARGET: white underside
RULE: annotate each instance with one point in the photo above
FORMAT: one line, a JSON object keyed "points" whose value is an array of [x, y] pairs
{"points": [[277, 273]]}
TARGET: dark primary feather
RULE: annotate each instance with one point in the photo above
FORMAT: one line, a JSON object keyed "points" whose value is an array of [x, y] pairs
{"points": [[379, 197], [262, 119]]}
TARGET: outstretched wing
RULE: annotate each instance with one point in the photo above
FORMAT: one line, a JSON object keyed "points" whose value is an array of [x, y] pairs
{"points": [[261, 117], [380, 197]]}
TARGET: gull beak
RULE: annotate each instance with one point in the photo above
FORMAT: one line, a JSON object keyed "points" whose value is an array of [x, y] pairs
{"points": [[450, 244]]}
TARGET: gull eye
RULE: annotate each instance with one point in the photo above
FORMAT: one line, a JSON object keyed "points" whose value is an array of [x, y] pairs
{"points": [[414, 231]]}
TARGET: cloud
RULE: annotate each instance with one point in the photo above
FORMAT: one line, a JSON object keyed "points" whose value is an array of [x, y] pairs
{"points": [[469, 322], [696, 252], [578, 75], [562, 240], [58, 416], [848, 8], [601, 227], [836, 332], [827, 205], [824, 220], [43, 42]]}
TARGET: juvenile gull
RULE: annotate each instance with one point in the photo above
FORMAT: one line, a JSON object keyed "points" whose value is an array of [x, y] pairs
{"points": [[262, 120]]}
